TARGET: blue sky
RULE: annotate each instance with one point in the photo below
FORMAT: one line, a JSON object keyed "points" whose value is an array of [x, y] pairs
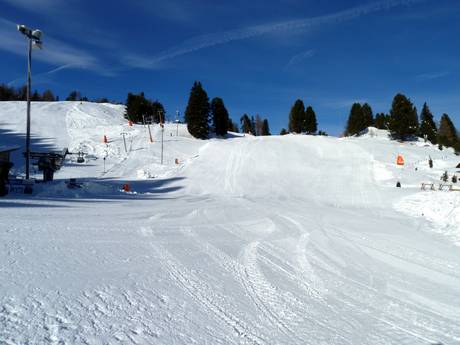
{"points": [[259, 56]]}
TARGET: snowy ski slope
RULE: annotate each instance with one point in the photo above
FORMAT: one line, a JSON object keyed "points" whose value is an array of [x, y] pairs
{"points": [[274, 240]]}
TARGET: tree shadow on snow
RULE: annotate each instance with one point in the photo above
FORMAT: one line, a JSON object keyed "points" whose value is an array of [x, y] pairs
{"points": [[93, 191], [10, 138]]}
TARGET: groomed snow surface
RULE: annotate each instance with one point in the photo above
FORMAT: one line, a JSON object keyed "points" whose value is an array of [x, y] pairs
{"points": [[275, 240]]}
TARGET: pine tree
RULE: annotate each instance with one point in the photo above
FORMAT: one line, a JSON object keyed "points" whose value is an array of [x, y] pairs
{"points": [[367, 116], [197, 112], [283, 131], [253, 126], [48, 96], [354, 124], [35, 97], [381, 121], [427, 125], [74, 96], [445, 176], [258, 125], [219, 115], [245, 124], [403, 118], [22, 93], [447, 134], [153, 110], [296, 117], [139, 108], [265, 128], [232, 126], [311, 125], [7, 93], [360, 118]]}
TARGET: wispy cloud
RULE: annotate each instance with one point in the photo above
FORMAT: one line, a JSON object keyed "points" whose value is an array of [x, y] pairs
{"points": [[55, 52], [37, 5], [432, 76], [298, 58], [41, 78], [213, 39], [336, 104]]}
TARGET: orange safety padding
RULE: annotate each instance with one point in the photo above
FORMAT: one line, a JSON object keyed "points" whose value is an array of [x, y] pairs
{"points": [[400, 160]]}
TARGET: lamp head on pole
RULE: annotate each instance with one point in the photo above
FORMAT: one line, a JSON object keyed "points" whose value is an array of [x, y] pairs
{"points": [[34, 35]]}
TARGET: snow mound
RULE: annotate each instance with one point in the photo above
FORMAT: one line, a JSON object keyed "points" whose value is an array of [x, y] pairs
{"points": [[441, 209], [372, 132]]}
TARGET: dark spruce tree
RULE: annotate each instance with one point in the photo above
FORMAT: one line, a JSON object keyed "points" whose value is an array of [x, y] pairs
{"points": [[245, 124], [381, 121], [265, 128], [220, 117], [360, 118], [403, 118], [367, 116], [258, 125], [447, 133], [135, 107], [197, 112], [253, 126], [296, 117], [311, 125], [283, 131], [232, 126], [139, 108], [155, 110], [74, 96], [354, 123], [48, 96], [35, 97], [427, 125], [8, 93]]}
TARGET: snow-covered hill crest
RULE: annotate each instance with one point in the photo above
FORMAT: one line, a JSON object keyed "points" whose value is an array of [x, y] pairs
{"points": [[248, 240]]}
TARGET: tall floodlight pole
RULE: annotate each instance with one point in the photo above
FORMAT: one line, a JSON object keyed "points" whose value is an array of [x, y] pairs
{"points": [[34, 40]]}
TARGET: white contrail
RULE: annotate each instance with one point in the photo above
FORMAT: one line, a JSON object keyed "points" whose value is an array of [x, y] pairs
{"points": [[38, 77], [300, 57], [209, 40]]}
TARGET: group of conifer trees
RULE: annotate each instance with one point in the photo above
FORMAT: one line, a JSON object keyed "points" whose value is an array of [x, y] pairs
{"points": [[204, 117], [139, 109], [403, 123], [301, 119], [9, 93], [256, 126]]}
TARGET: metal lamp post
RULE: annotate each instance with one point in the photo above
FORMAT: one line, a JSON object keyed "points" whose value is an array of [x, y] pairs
{"points": [[34, 40]]}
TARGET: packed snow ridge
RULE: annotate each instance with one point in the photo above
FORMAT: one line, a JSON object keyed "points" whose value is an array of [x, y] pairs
{"points": [[245, 240]]}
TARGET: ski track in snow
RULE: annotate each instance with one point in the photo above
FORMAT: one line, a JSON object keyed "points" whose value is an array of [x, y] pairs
{"points": [[293, 240]]}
